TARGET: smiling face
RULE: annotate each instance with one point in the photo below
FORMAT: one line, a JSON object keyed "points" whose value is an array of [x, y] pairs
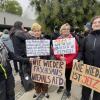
{"points": [[37, 33], [96, 24], [65, 29], [36, 30]]}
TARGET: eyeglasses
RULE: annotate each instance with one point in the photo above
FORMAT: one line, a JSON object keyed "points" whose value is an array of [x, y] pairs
{"points": [[95, 22]]}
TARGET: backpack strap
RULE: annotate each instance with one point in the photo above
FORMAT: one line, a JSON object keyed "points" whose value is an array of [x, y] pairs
{"points": [[4, 71]]}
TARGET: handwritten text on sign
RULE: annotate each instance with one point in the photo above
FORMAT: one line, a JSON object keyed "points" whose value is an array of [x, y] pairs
{"points": [[64, 46], [86, 75], [38, 47], [48, 71]]}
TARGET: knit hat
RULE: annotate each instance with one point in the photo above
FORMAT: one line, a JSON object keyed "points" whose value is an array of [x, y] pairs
{"points": [[88, 25]]}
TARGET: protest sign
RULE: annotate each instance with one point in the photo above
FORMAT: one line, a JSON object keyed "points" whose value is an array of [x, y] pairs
{"points": [[38, 47], [86, 75], [48, 71], [64, 46]]}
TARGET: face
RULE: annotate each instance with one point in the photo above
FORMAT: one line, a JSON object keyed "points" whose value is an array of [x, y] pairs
{"points": [[37, 33], [65, 30], [96, 24]]}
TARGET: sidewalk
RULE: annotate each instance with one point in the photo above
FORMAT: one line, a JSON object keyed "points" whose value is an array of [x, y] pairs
{"points": [[22, 95]]}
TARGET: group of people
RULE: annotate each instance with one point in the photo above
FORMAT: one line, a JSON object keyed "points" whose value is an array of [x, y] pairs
{"points": [[88, 51]]}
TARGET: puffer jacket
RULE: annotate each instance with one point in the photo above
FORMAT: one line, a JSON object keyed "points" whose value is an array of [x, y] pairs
{"points": [[90, 50], [69, 57]]}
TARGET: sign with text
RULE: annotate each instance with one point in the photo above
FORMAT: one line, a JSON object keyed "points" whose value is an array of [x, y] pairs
{"points": [[48, 71], [64, 46], [38, 47], [86, 75]]}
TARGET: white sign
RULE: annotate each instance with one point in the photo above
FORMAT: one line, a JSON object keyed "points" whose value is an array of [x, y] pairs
{"points": [[64, 46], [38, 47]]}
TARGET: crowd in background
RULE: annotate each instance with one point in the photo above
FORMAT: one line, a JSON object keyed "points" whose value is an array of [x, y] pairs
{"points": [[13, 47]]}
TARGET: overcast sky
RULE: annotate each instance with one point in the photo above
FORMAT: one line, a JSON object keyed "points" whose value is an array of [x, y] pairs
{"points": [[28, 11], [24, 4]]}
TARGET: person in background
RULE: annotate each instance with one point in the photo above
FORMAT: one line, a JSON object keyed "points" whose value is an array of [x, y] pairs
{"points": [[8, 42], [7, 82], [18, 36], [90, 54], [65, 33], [87, 29], [1, 34], [40, 88]]}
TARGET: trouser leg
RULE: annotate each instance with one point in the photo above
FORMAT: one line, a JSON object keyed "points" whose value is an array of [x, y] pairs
{"points": [[3, 90], [86, 92], [10, 85]]}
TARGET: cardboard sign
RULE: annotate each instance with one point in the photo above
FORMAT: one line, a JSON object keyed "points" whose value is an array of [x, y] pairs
{"points": [[38, 47], [86, 75], [48, 71], [64, 46]]}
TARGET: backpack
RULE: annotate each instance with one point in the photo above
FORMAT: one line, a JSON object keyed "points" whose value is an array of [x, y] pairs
{"points": [[3, 60], [3, 54]]}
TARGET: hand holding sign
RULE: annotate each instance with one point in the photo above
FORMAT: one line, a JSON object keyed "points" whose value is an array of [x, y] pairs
{"points": [[62, 58]]}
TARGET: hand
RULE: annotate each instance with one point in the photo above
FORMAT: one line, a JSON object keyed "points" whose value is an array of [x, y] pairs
{"points": [[31, 60], [75, 60], [38, 57], [62, 58]]}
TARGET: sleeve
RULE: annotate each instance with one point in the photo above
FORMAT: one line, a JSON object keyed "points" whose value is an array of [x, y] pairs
{"points": [[82, 50], [12, 56], [23, 35]]}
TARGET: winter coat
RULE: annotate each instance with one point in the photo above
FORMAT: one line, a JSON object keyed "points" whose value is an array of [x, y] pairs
{"points": [[69, 57], [90, 50], [5, 57], [18, 39], [8, 42]]}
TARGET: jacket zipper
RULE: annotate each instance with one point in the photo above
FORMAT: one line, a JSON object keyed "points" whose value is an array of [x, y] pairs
{"points": [[94, 43]]}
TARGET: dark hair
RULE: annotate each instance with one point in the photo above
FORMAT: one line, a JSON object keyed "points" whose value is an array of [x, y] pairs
{"points": [[18, 25]]}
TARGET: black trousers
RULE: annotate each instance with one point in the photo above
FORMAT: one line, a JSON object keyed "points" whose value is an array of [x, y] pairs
{"points": [[7, 88], [68, 81], [24, 68], [15, 65], [86, 92]]}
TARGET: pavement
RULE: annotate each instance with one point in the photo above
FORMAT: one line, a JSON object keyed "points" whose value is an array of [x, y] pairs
{"points": [[20, 94]]}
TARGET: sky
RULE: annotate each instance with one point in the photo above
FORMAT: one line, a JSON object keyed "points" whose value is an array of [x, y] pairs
{"points": [[28, 11]]}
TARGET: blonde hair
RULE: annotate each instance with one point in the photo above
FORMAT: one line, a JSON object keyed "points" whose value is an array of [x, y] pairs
{"points": [[64, 26], [36, 26]]}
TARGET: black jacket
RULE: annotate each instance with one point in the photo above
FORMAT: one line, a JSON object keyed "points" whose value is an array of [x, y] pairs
{"points": [[90, 49], [5, 66], [18, 39]]}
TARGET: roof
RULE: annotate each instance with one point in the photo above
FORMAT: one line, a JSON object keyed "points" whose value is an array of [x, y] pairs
{"points": [[10, 19]]}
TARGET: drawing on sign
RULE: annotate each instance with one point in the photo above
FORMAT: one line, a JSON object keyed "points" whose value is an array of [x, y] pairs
{"points": [[64, 46]]}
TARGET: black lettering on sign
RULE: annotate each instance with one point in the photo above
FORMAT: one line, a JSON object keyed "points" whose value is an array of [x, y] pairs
{"points": [[76, 76]]}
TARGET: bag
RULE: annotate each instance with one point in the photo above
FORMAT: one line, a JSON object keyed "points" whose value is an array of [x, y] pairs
{"points": [[27, 81]]}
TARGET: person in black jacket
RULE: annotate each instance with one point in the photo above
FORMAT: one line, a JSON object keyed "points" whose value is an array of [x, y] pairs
{"points": [[18, 36], [90, 54], [7, 82]]}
